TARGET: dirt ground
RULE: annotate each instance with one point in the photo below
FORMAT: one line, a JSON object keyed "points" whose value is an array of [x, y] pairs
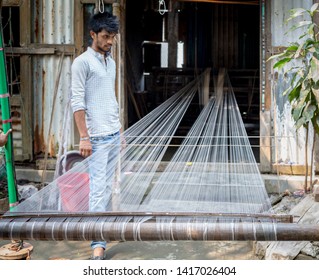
{"points": [[159, 250]]}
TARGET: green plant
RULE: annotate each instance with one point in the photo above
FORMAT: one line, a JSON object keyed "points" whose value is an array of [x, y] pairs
{"points": [[302, 58]]}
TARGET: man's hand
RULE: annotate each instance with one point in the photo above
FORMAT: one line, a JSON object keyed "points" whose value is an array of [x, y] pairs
{"points": [[85, 148], [4, 137], [123, 141]]}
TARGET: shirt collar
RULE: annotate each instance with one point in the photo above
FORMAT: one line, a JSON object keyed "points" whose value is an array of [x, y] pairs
{"points": [[97, 54]]}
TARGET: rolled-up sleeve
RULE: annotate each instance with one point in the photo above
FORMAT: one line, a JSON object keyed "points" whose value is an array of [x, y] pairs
{"points": [[79, 72]]}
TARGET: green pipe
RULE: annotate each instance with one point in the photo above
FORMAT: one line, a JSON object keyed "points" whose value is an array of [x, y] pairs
{"points": [[6, 125]]}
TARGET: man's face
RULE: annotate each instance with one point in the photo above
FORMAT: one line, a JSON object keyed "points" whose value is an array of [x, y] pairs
{"points": [[102, 41]]}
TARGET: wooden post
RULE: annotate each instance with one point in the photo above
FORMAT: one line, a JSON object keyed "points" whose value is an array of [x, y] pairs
{"points": [[265, 88], [172, 37], [204, 98], [119, 54]]}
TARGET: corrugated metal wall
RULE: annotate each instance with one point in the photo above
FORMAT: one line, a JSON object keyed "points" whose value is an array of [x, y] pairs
{"points": [[52, 23], [289, 144]]}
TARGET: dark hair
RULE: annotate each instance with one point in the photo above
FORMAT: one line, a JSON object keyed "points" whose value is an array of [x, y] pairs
{"points": [[106, 21]]}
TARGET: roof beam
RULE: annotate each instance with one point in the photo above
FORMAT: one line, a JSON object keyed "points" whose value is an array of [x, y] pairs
{"points": [[247, 2]]}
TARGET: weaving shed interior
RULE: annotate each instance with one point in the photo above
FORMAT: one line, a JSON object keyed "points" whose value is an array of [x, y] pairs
{"points": [[165, 50]]}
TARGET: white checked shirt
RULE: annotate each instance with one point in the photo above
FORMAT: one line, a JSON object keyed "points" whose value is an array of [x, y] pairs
{"points": [[93, 90]]}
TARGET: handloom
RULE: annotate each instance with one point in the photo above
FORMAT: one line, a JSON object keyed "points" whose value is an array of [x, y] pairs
{"points": [[211, 189]]}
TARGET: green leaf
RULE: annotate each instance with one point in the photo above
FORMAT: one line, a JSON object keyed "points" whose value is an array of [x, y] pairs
{"points": [[297, 111], [304, 35], [294, 93], [282, 62], [316, 124], [296, 75], [276, 56], [299, 25], [315, 69], [300, 122], [316, 94], [296, 13], [301, 102], [287, 90], [314, 8], [309, 112], [293, 47], [298, 52], [311, 29], [311, 49]]}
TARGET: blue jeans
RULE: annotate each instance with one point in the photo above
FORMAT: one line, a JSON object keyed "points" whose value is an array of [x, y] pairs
{"points": [[102, 165]]}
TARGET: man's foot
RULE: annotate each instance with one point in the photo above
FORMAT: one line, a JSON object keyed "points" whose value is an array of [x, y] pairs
{"points": [[98, 254]]}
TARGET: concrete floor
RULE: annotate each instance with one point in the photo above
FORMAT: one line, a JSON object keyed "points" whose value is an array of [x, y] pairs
{"points": [[159, 250], [273, 183]]}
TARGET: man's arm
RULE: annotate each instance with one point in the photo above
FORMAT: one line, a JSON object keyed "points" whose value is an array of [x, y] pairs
{"points": [[85, 146], [79, 73], [4, 137]]}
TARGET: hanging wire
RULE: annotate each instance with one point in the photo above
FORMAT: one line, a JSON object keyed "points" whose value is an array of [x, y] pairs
{"points": [[161, 7], [101, 6]]}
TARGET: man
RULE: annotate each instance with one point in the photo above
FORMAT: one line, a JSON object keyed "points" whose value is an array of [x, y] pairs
{"points": [[96, 113], [4, 137]]}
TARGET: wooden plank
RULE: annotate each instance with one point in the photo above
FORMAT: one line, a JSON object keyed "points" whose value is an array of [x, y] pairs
{"points": [[316, 192], [204, 98], [4, 204], [94, 1], [291, 169], [231, 36], [26, 81], [301, 208], [39, 49], [236, 57], [78, 27], [221, 38], [10, 3], [226, 37], [172, 37], [268, 68], [118, 50], [284, 250], [265, 142], [17, 51], [215, 39], [305, 212], [265, 95], [311, 216], [252, 2]]}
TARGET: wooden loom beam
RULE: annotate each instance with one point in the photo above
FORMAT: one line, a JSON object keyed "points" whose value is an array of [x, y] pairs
{"points": [[84, 229]]}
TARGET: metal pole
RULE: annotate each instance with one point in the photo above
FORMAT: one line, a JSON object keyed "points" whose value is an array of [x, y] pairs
{"points": [[6, 125], [75, 229]]}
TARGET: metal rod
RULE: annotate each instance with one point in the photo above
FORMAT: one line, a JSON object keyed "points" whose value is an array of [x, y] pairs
{"points": [[72, 229], [278, 217]]}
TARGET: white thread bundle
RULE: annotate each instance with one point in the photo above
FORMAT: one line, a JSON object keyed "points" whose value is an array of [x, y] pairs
{"points": [[213, 171]]}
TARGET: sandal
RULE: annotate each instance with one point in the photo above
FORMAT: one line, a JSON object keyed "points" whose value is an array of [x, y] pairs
{"points": [[97, 258]]}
